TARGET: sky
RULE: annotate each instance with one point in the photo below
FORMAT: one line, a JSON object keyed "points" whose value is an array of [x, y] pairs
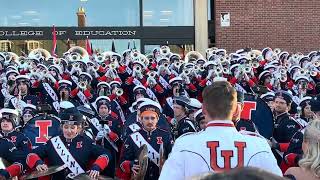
{"points": [[99, 12], [63, 12]]}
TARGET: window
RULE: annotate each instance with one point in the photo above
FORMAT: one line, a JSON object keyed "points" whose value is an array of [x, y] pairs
{"points": [[168, 13], [31, 45], [63, 12], [120, 45], [5, 45]]}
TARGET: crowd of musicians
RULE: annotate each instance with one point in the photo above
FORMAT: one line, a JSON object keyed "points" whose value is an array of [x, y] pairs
{"points": [[93, 112]]}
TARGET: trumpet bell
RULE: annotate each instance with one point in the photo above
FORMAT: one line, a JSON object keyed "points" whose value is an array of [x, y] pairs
{"points": [[165, 50], [83, 85], [83, 54], [277, 51], [283, 78], [313, 73], [119, 91], [192, 55], [255, 64]]}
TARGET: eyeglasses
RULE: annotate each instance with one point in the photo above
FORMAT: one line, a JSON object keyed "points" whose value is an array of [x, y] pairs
{"points": [[148, 117]]}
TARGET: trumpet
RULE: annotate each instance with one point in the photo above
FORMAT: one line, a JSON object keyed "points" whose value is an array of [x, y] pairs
{"points": [[137, 68], [218, 70], [165, 65], [164, 50], [152, 74], [177, 64], [76, 65], [83, 85], [186, 72], [119, 91], [99, 59], [283, 71], [134, 54], [316, 63], [202, 68], [252, 55], [313, 73], [283, 78], [247, 69], [303, 72], [75, 57], [255, 64], [274, 57], [112, 66], [226, 70], [104, 65], [277, 51]]}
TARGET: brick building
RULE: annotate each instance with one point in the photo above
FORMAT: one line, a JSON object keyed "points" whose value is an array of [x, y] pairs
{"points": [[292, 25]]}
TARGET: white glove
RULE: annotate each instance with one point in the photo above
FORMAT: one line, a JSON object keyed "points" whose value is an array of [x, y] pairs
{"points": [[246, 77], [209, 74], [101, 134], [187, 80], [237, 75]]}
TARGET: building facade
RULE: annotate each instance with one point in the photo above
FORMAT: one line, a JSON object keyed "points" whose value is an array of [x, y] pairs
{"points": [[184, 25]]}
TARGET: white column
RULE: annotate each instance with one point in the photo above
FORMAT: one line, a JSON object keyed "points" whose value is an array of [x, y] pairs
{"points": [[201, 25]]}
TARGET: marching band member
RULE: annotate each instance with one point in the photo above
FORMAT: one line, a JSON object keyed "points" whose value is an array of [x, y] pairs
{"points": [[294, 153], [105, 128], [29, 111], [220, 147], [9, 152], [10, 123], [201, 121], [72, 149], [150, 135], [181, 110], [285, 126]]}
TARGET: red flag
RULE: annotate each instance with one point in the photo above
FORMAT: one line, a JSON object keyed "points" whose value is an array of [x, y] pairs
{"points": [[88, 47], [54, 42]]}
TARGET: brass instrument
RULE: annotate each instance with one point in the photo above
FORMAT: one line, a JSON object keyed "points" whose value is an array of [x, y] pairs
{"points": [[283, 71], [186, 72], [103, 65], [303, 72], [247, 69], [283, 78], [313, 73], [119, 91], [277, 51], [112, 66], [316, 63], [99, 58], [83, 85], [137, 69], [76, 65], [218, 70], [134, 54], [165, 50], [201, 68], [166, 65], [78, 53], [39, 54], [226, 70], [152, 74], [192, 55], [177, 64], [255, 64]]}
